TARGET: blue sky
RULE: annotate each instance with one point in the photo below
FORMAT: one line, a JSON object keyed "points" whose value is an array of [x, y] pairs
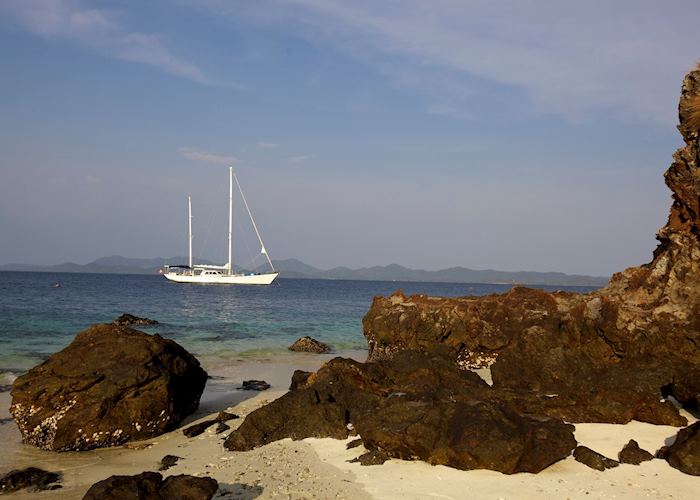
{"points": [[509, 135]]}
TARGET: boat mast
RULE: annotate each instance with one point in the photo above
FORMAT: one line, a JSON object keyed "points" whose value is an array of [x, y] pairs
{"points": [[250, 214], [189, 225], [230, 218]]}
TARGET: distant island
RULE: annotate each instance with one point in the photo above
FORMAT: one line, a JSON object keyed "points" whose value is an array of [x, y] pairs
{"points": [[293, 268]]}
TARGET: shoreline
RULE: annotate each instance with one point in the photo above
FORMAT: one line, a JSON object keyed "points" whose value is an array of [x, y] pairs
{"points": [[533, 284], [319, 468], [256, 472]]}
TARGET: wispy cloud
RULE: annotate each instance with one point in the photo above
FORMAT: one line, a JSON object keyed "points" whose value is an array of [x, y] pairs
{"points": [[266, 145], [99, 30], [573, 60], [299, 158], [205, 157]]}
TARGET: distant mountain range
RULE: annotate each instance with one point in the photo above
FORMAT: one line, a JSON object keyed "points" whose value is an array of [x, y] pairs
{"points": [[293, 268]]}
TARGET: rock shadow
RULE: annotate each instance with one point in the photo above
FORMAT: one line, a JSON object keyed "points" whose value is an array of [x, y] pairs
{"points": [[218, 395], [240, 491]]}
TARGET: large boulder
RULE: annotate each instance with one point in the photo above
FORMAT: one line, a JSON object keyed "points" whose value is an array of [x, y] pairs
{"points": [[414, 406], [465, 435], [645, 324], [112, 384]]}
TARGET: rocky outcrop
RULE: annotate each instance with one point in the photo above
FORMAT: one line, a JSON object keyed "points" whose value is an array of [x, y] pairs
{"points": [[131, 320], [684, 453], [612, 355], [150, 486], [110, 385], [308, 344], [647, 318], [31, 478], [476, 329], [414, 406]]}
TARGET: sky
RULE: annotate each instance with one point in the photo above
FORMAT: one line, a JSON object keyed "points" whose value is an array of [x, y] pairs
{"points": [[511, 135]]}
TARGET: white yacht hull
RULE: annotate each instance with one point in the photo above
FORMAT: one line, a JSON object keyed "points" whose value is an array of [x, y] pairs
{"points": [[234, 279]]}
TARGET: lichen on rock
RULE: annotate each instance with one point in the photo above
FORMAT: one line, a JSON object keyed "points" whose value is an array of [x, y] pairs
{"points": [[111, 385]]}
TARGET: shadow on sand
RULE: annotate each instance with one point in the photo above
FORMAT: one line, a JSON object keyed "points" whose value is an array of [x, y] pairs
{"points": [[238, 491]]}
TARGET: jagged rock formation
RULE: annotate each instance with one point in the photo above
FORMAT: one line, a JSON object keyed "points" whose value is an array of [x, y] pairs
{"points": [[414, 406], [647, 320], [111, 385]]}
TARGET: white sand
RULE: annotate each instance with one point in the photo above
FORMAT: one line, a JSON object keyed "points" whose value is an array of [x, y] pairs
{"points": [[318, 468], [568, 479]]}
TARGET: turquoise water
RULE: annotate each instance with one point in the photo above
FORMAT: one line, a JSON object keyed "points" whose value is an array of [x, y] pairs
{"points": [[209, 321]]}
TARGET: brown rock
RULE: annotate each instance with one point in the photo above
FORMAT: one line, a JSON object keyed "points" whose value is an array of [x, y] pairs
{"points": [[197, 429], [32, 477], [168, 461], [224, 416], [465, 435], [222, 427], [254, 385], [631, 453], [593, 459], [297, 415], [686, 388], [684, 453], [131, 320], [299, 378], [307, 344], [414, 406], [353, 444], [374, 457], [110, 385], [185, 487], [150, 486]]}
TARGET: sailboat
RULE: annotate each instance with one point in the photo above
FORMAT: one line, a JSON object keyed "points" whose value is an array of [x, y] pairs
{"points": [[222, 275]]}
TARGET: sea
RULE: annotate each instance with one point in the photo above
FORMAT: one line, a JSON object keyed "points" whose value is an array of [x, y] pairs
{"points": [[210, 321]]}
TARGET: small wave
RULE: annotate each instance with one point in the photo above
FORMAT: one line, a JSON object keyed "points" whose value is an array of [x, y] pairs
{"points": [[7, 378]]}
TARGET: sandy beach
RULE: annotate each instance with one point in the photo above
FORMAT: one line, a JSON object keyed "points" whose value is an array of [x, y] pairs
{"points": [[319, 468]]}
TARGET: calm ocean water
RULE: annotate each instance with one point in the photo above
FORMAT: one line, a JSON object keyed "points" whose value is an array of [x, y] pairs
{"points": [[221, 321]]}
